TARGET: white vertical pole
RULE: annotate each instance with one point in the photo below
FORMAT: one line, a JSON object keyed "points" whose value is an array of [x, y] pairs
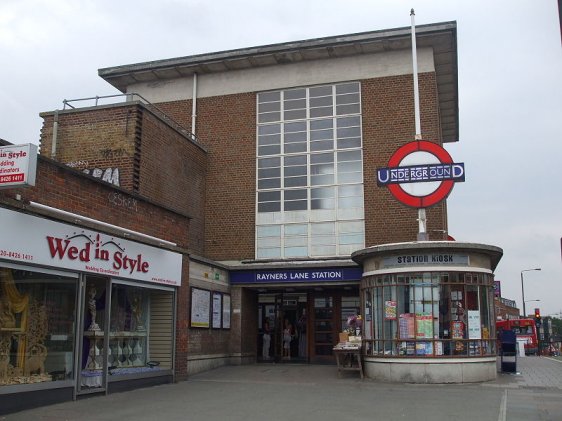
{"points": [[416, 87], [422, 221], [194, 105]]}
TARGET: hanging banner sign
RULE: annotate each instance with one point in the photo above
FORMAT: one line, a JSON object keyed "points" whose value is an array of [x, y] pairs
{"points": [[18, 165], [420, 174]]}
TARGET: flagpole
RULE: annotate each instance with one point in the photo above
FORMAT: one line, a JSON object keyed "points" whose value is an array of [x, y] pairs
{"points": [[422, 220], [415, 68]]}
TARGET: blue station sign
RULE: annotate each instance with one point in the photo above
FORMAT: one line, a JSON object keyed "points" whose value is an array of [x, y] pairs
{"points": [[296, 275], [420, 173]]}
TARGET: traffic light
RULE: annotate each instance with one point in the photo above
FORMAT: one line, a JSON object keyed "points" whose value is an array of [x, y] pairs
{"points": [[537, 317]]}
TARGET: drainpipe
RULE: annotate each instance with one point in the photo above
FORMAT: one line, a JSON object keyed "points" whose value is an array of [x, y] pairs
{"points": [[194, 104], [55, 132]]}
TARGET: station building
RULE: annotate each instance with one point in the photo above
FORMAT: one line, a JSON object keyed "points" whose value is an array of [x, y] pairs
{"points": [[270, 154]]}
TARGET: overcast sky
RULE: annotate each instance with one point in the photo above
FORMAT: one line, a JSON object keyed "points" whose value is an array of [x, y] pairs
{"points": [[510, 94]]}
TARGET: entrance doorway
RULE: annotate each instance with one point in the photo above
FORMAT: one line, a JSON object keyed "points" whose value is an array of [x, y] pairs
{"points": [[311, 319], [282, 317]]}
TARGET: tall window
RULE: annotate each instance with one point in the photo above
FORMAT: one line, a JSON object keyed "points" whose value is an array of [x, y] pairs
{"points": [[309, 172]]}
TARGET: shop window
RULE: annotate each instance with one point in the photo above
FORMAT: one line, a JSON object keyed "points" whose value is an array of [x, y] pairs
{"points": [[350, 307], [37, 321], [140, 333], [141, 330], [419, 314]]}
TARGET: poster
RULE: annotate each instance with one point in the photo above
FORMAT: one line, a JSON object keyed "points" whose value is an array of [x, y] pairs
{"points": [[390, 310], [424, 326], [424, 348], [406, 326], [226, 311], [200, 307], [217, 310], [474, 326], [457, 330]]}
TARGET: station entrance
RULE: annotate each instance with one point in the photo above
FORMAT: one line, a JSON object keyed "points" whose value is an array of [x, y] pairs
{"points": [[303, 325]]}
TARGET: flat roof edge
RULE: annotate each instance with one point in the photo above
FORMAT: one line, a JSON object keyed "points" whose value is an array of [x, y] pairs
{"points": [[426, 29]]}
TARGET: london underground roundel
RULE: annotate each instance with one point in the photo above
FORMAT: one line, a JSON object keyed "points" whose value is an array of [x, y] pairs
{"points": [[420, 174]]}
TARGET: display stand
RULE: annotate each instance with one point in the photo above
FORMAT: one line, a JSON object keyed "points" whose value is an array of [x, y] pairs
{"points": [[348, 357]]}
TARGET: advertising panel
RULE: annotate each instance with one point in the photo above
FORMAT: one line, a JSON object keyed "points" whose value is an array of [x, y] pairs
{"points": [[18, 165]]}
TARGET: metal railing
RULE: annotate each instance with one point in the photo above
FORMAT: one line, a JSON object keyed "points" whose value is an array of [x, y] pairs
{"points": [[432, 348], [131, 97]]}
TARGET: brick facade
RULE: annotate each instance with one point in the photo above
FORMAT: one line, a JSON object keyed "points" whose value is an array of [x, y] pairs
{"points": [[388, 123], [213, 179], [152, 158], [227, 128]]}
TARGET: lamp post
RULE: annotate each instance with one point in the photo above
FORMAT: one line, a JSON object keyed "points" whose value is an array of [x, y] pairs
{"points": [[523, 289]]}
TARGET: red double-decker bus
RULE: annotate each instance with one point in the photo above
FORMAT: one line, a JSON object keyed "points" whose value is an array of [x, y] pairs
{"points": [[523, 329]]}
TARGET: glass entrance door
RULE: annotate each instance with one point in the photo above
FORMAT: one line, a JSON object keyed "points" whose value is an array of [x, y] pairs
{"points": [[324, 325], [329, 313], [92, 359]]}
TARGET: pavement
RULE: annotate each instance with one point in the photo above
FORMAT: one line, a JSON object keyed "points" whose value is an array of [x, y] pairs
{"points": [[316, 392]]}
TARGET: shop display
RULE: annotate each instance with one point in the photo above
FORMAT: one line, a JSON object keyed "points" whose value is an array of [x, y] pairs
{"points": [[431, 314], [23, 327], [127, 336]]}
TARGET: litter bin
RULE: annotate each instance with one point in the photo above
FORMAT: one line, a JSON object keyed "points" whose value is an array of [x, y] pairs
{"points": [[508, 351]]}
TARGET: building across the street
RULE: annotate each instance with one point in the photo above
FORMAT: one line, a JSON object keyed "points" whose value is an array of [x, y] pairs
{"points": [[506, 309], [246, 179]]}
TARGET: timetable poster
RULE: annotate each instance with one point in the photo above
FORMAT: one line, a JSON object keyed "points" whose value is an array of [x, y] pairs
{"points": [[200, 307], [226, 311], [217, 310]]}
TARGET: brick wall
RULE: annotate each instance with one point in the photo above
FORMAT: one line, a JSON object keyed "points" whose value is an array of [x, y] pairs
{"points": [[64, 188], [182, 322], [226, 126], [173, 172], [152, 158], [93, 138], [243, 339], [388, 123]]}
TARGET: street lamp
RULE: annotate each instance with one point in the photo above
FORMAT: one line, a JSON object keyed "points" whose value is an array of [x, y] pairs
{"points": [[523, 289], [529, 301]]}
